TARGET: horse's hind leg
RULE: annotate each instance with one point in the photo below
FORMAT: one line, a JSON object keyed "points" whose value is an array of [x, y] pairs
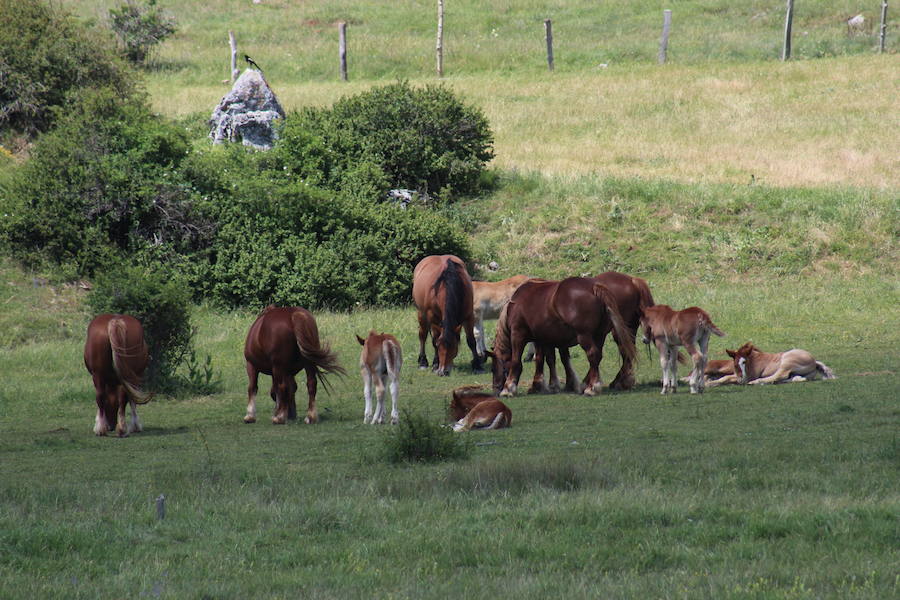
{"points": [[537, 383], [592, 381], [312, 416], [423, 333], [135, 425], [367, 394], [121, 403], [394, 379], [698, 356], [280, 391], [101, 426], [291, 398], [252, 388], [378, 418], [624, 379], [572, 382], [468, 325]]}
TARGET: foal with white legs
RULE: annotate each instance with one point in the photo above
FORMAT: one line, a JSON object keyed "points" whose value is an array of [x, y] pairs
{"points": [[380, 362], [669, 329]]}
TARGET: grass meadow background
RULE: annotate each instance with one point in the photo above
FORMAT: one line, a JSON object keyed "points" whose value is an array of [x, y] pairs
{"points": [[765, 192]]}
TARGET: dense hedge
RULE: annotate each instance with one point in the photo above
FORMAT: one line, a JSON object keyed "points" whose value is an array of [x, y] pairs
{"points": [[417, 138], [45, 54]]}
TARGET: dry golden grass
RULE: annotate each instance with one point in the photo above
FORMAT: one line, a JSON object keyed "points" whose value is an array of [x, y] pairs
{"points": [[808, 123]]}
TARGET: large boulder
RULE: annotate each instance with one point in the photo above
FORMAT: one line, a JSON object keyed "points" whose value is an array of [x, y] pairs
{"points": [[246, 113]]}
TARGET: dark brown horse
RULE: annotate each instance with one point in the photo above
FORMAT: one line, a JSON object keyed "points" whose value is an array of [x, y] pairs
{"points": [[280, 343], [560, 314], [116, 356], [442, 293], [632, 295]]}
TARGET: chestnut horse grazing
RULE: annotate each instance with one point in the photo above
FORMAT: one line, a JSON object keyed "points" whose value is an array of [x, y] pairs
{"points": [[280, 343], [559, 314], [669, 329], [442, 292], [472, 408], [116, 356], [380, 362], [751, 365], [488, 299]]}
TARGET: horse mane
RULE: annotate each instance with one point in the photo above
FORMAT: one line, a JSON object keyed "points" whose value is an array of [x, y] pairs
{"points": [[501, 335], [645, 297], [454, 292]]}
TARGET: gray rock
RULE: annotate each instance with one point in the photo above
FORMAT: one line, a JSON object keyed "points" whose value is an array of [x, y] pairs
{"points": [[247, 113]]}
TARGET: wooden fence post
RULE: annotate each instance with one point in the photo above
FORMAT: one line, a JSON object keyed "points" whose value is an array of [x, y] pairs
{"points": [[788, 21], [664, 40], [440, 39], [233, 43], [342, 48], [548, 33], [883, 29]]}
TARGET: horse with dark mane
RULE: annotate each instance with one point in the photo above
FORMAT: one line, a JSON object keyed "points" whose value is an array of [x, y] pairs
{"points": [[116, 356], [280, 343], [442, 293], [559, 314], [632, 295]]}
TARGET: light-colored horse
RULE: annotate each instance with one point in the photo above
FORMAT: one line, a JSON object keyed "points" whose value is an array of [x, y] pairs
{"points": [[488, 299], [472, 408], [379, 364], [751, 365], [669, 329]]}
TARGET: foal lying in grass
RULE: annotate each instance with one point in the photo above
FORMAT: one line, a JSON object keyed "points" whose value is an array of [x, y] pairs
{"points": [[752, 365], [472, 408]]}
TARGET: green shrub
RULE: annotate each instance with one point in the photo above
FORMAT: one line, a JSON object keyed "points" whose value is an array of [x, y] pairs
{"points": [[419, 439], [162, 304], [104, 183], [45, 54], [140, 27], [423, 139]]}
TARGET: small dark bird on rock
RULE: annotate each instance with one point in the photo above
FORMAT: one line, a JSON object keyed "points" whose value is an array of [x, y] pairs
{"points": [[252, 63]]}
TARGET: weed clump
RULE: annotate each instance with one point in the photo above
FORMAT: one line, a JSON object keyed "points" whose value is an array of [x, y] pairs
{"points": [[419, 439]]}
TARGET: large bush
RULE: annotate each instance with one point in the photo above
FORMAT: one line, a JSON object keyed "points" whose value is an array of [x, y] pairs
{"points": [[103, 184], [161, 303], [418, 138], [45, 54], [140, 27]]}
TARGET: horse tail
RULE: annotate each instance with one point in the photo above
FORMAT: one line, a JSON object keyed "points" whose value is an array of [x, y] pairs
{"points": [[392, 357], [121, 352], [499, 421], [706, 321], [312, 349], [826, 372], [454, 293], [622, 333]]}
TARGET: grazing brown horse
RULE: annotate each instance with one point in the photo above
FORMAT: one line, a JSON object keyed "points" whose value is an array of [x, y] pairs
{"points": [[752, 365], [632, 295], [472, 408], [380, 362], [668, 329], [116, 356], [559, 314], [442, 292], [280, 343]]}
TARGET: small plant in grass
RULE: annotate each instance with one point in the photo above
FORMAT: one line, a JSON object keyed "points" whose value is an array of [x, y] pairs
{"points": [[201, 378], [419, 439]]}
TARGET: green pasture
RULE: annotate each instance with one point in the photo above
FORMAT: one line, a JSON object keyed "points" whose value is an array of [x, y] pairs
{"points": [[744, 492], [766, 193]]}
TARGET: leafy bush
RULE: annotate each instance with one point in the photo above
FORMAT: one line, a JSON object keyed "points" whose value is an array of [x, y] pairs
{"points": [[161, 303], [423, 139], [140, 27], [101, 185], [45, 54], [418, 439]]}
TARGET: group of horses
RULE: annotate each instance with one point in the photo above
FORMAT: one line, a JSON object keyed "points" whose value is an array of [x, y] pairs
{"points": [[552, 315]]}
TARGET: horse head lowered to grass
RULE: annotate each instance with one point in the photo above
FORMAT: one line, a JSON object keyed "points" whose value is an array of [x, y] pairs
{"points": [[442, 293]]}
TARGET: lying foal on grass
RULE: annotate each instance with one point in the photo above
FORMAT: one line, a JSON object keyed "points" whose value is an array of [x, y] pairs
{"points": [[379, 362], [751, 365], [668, 329], [473, 408]]}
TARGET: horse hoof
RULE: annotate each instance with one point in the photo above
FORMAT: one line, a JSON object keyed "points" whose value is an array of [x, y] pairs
{"points": [[248, 419], [311, 420]]}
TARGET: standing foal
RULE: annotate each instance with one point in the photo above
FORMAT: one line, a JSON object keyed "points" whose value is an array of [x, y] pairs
{"points": [[668, 329], [379, 361]]}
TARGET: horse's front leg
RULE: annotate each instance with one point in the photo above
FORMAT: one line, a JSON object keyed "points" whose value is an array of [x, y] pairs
{"points": [[537, 382], [515, 369], [573, 384], [423, 333], [469, 326], [478, 330]]}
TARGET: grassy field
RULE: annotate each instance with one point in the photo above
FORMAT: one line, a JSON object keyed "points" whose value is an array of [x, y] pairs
{"points": [[767, 193]]}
